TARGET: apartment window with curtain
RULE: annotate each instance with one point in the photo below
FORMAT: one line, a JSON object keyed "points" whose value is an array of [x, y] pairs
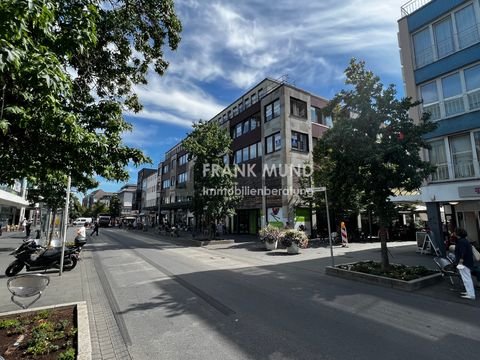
{"points": [[298, 108], [467, 29], [316, 115], [299, 141], [443, 37], [452, 94], [438, 157], [182, 178], [462, 156], [422, 45], [472, 83], [430, 100]]}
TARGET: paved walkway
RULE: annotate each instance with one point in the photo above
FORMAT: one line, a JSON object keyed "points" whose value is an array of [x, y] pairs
{"points": [[88, 282]]}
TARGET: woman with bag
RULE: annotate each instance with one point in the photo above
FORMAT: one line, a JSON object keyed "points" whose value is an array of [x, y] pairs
{"points": [[464, 261]]}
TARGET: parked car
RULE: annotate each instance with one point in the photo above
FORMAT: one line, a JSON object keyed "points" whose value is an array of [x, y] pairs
{"points": [[82, 220]]}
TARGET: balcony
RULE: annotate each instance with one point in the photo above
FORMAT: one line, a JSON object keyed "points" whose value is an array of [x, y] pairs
{"points": [[412, 6]]}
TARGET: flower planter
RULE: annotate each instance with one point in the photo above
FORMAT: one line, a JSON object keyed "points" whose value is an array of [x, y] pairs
{"points": [[271, 245], [84, 347], [411, 285], [293, 249]]}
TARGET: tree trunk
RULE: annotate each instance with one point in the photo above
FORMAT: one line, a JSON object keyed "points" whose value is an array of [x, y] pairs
{"points": [[383, 234]]}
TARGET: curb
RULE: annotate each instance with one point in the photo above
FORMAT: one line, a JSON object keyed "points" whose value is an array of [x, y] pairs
{"points": [[84, 345]]}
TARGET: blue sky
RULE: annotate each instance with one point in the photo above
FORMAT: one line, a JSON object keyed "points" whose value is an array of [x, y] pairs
{"points": [[229, 45]]}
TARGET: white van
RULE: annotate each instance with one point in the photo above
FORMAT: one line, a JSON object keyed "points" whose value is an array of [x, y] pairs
{"points": [[82, 220]]}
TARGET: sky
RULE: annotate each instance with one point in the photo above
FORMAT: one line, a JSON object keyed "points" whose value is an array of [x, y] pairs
{"points": [[228, 46]]}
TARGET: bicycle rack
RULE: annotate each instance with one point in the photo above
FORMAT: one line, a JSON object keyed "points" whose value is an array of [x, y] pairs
{"points": [[26, 286]]}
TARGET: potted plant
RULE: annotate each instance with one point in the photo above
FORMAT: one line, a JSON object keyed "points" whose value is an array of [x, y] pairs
{"points": [[293, 240], [270, 235]]}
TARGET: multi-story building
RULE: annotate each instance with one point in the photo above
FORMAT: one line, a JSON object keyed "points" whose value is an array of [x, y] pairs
{"points": [[97, 196], [126, 195], [272, 124], [440, 54], [141, 193], [13, 203]]}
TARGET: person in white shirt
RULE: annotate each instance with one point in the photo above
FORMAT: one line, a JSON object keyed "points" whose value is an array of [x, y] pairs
{"points": [[82, 231]]}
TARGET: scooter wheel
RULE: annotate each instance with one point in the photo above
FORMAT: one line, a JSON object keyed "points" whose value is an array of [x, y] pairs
{"points": [[14, 268], [71, 265]]}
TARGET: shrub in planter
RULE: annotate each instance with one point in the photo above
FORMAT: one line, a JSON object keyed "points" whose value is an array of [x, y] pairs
{"points": [[270, 235], [294, 237]]}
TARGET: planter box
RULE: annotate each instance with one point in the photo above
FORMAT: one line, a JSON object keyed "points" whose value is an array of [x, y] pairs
{"points": [[84, 346], [411, 285]]}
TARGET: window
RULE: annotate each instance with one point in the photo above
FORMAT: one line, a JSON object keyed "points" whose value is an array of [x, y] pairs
{"points": [[259, 149], [253, 123], [238, 130], [253, 151], [438, 157], [246, 126], [182, 178], [476, 139], [229, 114], [240, 107], [316, 115], [273, 143], [247, 102], [226, 159], [182, 160], [254, 98], [462, 157], [299, 141], [225, 117], [452, 88], [422, 45], [245, 156], [298, 108], [272, 110], [165, 169], [443, 37], [166, 184], [472, 83], [172, 164], [172, 181], [238, 156], [430, 100], [467, 30], [260, 93], [235, 112]]}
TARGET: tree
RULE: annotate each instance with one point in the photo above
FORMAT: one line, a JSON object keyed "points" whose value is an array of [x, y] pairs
{"points": [[114, 209], [66, 74], [214, 182], [373, 147]]}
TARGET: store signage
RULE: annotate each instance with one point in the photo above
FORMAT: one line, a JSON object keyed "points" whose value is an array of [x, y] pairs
{"points": [[469, 191]]}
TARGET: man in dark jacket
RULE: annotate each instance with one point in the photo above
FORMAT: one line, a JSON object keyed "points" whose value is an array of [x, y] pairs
{"points": [[464, 259]]}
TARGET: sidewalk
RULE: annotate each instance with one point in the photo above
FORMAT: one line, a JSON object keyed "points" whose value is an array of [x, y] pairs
{"points": [[81, 284]]}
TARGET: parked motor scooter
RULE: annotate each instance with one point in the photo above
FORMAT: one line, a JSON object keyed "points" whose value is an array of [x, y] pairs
{"points": [[35, 257]]}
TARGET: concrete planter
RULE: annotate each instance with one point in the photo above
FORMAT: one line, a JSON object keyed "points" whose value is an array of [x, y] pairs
{"points": [[411, 285], [271, 245], [84, 345], [293, 249]]}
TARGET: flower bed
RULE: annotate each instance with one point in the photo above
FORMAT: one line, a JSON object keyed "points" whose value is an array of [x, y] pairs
{"points": [[396, 271], [399, 277], [45, 334]]}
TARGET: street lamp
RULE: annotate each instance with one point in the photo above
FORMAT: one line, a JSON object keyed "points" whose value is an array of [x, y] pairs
{"points": [[324, 189]]}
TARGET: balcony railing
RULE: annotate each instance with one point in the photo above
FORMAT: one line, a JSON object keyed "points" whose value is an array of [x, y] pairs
{"points": [[474, 100], [434, 111], [413, 5], [454, 106], [462, 169]]}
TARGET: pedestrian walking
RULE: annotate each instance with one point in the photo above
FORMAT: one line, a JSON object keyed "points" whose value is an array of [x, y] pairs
{"points": [[28, 227], [24, 224], [464, 260], [95, 228]]}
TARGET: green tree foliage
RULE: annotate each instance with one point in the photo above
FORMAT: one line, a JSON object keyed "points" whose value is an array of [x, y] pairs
{"points": [[373, 148], [67, 70], [114, 209], [206, 145]]}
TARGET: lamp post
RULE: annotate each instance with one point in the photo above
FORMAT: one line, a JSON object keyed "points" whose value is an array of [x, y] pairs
{"points": [[65, 223], [324, 189]]}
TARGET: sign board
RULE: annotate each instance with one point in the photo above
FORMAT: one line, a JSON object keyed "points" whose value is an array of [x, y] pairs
{"points": [[469, 191], [317, 189]]}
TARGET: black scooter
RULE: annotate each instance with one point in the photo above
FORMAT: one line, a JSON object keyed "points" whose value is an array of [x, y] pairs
{"points": [[36, 257]]}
